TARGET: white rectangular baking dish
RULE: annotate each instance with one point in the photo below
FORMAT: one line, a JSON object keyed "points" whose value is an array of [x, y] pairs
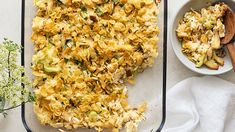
{"points": [[150, 86]]}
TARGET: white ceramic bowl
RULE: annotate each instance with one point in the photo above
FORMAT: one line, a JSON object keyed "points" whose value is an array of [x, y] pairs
{"points": [[176, 44]]}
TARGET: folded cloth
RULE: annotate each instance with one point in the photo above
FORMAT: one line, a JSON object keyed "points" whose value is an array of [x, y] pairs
{"points": [[205, 104]]}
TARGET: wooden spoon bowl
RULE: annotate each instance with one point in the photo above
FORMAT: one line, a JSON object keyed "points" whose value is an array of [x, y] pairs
{"points": [[229, 22]]}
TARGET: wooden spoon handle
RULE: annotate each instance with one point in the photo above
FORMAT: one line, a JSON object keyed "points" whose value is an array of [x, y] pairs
{"points": [[231, 50]]}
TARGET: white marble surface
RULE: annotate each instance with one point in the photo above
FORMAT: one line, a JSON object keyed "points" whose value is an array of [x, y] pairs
{"points": [[10, 11], [10, 27]]}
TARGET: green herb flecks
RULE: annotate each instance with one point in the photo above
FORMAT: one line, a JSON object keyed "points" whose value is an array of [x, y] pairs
{"points": [[98, 11], [115, 2], [83, 8]]}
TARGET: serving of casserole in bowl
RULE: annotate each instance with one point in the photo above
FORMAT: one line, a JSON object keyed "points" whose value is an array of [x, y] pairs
{"points": [[196, 33]]}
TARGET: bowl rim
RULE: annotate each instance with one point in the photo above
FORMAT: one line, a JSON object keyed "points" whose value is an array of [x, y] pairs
{"points": [[173, 44]]}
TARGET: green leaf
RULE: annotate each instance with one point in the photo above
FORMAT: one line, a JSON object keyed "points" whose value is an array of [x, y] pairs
{"points": [[98, 11], [31, 98], [83, 8]]}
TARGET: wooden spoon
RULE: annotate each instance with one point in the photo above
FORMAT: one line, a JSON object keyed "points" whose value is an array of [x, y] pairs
{"points": [[231, 50], [229, 22]]}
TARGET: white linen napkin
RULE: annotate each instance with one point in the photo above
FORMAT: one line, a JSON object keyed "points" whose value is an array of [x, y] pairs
{"points": [[205, 104]]}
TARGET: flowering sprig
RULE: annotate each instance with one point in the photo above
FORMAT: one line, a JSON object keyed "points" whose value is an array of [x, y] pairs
{"points": [[12, 78]]}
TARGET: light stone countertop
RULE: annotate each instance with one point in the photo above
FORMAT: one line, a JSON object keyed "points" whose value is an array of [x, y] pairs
{"points": [[10, 12], [10, 27]]}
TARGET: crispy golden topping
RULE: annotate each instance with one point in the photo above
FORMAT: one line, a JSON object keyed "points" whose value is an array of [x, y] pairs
{"points": [[85, 52]]}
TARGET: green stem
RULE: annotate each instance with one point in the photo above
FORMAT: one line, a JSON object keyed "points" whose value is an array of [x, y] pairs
{"points": [[8, 62], [13, 107], [9, 76]]}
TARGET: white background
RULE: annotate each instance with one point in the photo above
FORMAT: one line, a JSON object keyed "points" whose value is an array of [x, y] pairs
{"points": [[10, 21], [10, 18]]}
